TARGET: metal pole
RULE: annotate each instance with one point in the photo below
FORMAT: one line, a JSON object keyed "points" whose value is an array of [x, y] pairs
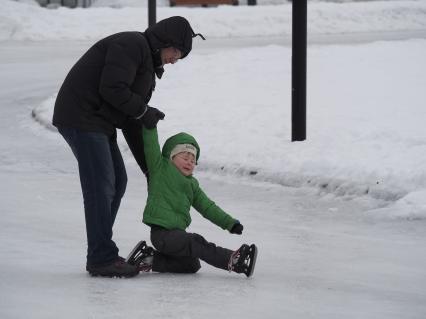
{"points": [[298, 76], [152, 14]]}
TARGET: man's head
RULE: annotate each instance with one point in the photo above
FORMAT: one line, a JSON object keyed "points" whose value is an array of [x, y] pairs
{"points": [[171, 39], [173, 32]]}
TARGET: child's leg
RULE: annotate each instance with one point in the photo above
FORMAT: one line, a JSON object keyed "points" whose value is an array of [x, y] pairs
{"points": [[168, 263], [178, 243]]}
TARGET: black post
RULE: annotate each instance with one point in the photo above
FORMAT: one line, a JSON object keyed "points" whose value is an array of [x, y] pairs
{"points": [[298, 76], [152, 12]]}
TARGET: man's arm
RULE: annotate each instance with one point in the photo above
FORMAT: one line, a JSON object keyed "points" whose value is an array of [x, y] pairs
{"points": [[122, 61]]}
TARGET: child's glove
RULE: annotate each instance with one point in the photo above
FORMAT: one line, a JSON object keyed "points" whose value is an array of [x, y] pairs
{"points": [[237, 228], [151, 117]]}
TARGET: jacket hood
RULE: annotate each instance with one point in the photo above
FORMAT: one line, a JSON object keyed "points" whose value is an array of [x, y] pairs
{"points": [[171, 32], [180, 138]]}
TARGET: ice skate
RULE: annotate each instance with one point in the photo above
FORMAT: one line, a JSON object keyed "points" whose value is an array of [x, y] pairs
{"points": [[243, 260], [141, 256]]}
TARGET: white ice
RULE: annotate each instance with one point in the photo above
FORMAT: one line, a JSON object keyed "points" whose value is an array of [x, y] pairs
{"points": [[339, 218]]}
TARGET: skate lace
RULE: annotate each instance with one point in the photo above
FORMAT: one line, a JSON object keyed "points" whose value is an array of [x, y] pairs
{"points": [[233, 260], [144, 267], [145, 263]]}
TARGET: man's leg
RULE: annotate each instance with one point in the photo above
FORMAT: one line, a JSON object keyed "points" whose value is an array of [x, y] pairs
{"points": [[97, 177], [120, 178]]}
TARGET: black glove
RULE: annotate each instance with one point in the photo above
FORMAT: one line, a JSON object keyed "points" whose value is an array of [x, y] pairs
{"points": [[237, 228], [151, 117]]}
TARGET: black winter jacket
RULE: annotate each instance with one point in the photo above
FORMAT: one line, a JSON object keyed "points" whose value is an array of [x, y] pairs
{"points": [[113, 81]]}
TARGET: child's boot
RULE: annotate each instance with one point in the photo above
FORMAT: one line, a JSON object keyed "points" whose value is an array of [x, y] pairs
{"points": [[142, 256], [243, 260]]}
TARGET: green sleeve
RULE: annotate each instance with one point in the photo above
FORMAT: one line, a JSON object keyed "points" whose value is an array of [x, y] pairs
{"points": [[151, 148], [209, 210]]}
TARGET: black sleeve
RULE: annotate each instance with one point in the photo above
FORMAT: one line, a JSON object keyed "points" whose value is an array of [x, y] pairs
{"points": [[122, 61]]}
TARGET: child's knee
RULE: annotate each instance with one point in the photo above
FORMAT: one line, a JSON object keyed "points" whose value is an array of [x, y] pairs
{"points": [[198, 239], [194, 267]]}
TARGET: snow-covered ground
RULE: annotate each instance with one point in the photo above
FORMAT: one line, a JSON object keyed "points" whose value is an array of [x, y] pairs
{"points": [[18, 21], [345, 240]]}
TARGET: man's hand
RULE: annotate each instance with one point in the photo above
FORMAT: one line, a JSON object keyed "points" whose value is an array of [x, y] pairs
{"points": [[151, 117]]}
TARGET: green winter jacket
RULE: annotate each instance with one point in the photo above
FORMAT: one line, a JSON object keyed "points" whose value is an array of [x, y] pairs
{"points": [[170, 193]]}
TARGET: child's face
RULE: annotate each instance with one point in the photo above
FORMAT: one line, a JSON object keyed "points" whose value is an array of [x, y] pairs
{"points": [[185, 162]]}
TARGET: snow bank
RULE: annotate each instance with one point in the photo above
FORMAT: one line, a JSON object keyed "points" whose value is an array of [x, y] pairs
{"points": [[19, 21], [365, 121], [412, 207], [366, 133]]}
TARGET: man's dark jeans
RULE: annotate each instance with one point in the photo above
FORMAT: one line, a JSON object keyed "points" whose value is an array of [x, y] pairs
{"points": [[103, 182]]}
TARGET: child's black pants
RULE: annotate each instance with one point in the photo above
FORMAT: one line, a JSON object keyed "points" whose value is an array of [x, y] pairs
{"points": [[179, 251]]}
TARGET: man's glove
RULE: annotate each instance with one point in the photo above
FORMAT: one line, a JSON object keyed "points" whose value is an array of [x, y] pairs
{"points": [[151, 117], [237, 228]]}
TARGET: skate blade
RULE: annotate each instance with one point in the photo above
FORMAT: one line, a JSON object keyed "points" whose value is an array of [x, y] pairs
{"points": [[135, 250], [253, 257]]}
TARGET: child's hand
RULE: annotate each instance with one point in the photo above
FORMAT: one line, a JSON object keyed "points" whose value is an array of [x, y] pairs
{"points": [[237, 228]]}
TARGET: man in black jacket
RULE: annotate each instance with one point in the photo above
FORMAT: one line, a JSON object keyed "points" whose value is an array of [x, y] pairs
{"points": [[109, 88]]}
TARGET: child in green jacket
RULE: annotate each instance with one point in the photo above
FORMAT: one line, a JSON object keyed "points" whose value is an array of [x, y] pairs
{"points": [[172, 190]]}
